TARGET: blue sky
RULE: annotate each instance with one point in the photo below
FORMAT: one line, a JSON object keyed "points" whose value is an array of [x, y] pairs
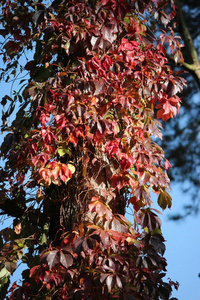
{"points": [[183, 247]]}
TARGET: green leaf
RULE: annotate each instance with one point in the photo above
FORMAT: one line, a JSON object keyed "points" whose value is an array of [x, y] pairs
{"points": [[62, 151], [4, 273], [43, 239], [164, 200], [156, 231], [127, 20]]}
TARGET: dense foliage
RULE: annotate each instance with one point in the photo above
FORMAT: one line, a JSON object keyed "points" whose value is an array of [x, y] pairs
{"points": [[82, 148]]}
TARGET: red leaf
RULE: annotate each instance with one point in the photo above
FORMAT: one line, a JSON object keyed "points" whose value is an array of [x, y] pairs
{"points": [[108, 34], [116, 225], [118, 282], [167, 165], [106, 62], [103, 277], [112, 148], [53, 258], [119, 181], [126, 162], [109, 282], [178, 57], [33, 270], [66, 259], [105, 238], [136, 204], [100, 208]]}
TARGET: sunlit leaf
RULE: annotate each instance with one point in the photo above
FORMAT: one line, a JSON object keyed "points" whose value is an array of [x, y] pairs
{"points": [[66, 259], [53, 258]]}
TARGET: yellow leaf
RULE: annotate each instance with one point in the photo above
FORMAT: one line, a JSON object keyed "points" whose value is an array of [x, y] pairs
{"points": [[84, 170], [132, 241], [71, 168]]}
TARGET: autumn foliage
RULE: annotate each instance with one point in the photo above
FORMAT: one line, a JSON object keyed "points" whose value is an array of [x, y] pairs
{"points": [[82, 148]]}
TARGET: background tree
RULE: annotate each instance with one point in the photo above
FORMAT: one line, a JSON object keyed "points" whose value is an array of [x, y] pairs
{"points": [[181, 136], [82, 148]]}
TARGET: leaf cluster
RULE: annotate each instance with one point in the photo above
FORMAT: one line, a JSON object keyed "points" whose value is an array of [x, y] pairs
{"points": [[83, 147]]}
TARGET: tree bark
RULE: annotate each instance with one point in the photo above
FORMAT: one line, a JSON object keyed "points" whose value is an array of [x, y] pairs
{"points": [[194, 65]]}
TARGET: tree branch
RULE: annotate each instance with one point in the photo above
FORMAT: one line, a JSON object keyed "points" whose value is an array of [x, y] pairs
{"points": [[194, 67]]}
